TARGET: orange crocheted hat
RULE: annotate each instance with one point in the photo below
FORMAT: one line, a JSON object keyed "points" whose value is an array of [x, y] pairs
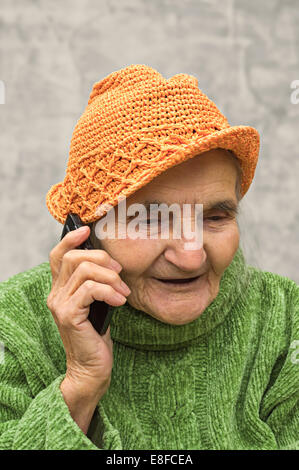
{"points": [[136, 125]]}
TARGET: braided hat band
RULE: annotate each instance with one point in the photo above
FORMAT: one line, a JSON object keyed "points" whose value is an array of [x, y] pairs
{"points": [[136, 125]]}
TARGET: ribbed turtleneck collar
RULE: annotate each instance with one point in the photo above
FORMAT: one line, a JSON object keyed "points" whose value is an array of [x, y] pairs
{"points": [[138, 329]]}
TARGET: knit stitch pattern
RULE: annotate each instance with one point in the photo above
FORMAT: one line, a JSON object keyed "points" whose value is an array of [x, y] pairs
{"points": [[137, 124], [227, 380]]}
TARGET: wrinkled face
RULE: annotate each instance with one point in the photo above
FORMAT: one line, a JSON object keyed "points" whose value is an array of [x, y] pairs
{"points": [[205, 179]]}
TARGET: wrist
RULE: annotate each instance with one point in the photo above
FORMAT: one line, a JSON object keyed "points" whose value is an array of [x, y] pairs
{"points": [[81, 403], [81, 390]]}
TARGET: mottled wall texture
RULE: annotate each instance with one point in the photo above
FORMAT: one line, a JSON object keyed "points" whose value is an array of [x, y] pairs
{"points": [[244, 53]]}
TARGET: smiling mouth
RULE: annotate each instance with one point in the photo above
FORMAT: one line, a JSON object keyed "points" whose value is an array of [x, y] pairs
{"points": [[189, 280]]}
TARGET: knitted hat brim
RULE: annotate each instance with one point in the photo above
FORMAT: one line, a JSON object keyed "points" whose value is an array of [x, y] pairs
{"points": [[244, 141]]}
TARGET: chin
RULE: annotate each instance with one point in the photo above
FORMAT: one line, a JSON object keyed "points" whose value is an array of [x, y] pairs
{"points": [[175, 317]]}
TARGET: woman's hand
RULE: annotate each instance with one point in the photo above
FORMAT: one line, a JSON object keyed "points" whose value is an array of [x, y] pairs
{"points": [[78, 278]]}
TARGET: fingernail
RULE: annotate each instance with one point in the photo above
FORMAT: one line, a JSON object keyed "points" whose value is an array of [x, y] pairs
{"points": [[119, 297], [82, 229], [126, 289], [115, 265]]}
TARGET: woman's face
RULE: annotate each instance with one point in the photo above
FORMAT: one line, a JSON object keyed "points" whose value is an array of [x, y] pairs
{"points": [[205, 179]]}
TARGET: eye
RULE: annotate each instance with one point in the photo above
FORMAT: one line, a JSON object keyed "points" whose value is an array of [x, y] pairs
{"points": [[215, 218]]}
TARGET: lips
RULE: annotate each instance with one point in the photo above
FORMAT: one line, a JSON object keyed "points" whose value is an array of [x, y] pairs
{"points": [[179, 281]]}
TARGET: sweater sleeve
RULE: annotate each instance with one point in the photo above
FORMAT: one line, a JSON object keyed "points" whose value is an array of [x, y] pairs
{"points": [[43, 421], [282, 399], [33, 413]]}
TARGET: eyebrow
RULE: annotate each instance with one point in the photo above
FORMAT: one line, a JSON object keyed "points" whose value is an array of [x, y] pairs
{"points": [[227, 205]]}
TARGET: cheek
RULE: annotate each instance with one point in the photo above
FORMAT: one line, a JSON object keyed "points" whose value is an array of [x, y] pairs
{"points": [[221, 247], [135, 256]]}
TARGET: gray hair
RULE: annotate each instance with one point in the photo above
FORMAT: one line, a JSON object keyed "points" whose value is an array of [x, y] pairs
{"points": [[239, 175]]}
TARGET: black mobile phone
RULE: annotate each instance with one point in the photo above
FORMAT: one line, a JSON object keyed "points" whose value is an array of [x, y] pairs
{"points": [[99, 312]]}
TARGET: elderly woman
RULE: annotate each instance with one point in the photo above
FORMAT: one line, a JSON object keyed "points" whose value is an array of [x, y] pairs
{"points": [[201, 350]]}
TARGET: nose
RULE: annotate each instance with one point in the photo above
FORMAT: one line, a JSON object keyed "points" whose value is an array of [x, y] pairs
{"points": [[186, 260]]}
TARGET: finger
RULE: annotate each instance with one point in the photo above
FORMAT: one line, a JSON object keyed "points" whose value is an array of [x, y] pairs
{"points": [[71, 240], [72, 258], [90, 291], [89, 270]]}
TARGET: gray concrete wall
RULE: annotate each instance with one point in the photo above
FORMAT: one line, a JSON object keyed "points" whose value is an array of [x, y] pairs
{"points": [[244, 53]]}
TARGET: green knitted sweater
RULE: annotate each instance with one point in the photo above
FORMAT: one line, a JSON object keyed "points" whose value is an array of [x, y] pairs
{"points": [[227, 380]]}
